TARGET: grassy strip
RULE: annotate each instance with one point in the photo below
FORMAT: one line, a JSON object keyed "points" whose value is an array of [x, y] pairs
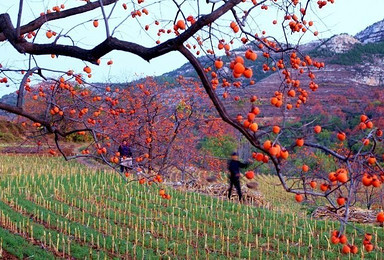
{"points": [[21, 248]]}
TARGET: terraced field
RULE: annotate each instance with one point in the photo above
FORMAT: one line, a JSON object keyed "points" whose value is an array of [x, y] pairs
{"points": [[54, 209]]}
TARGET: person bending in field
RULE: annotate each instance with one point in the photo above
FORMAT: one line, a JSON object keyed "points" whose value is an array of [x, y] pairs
{"points": [[234, 166], [125, 156]]}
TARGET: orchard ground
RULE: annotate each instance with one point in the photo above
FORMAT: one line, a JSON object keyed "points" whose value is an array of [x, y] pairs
{"points": [[56, 209]]}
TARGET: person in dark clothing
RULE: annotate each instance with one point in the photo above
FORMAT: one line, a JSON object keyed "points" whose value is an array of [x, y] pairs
{"points": [[234, 166], [125, 156]]}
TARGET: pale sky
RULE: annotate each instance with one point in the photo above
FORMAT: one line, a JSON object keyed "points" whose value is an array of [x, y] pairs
{"points": [[345, 16]]}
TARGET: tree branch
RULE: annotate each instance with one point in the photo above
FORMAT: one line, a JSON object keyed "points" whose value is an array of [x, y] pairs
{"points": [[20, 95], [110, 44], [327, 150], [18, 111], [38, 22]]}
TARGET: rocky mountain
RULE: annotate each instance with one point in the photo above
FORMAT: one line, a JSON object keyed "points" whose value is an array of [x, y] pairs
{"points": [[9, 99], [339, 43], [363, 54], [373, 33]]}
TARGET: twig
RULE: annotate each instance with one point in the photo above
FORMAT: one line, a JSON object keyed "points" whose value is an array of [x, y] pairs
{"points": [[19, 18], [105, 18], [20, 95]]}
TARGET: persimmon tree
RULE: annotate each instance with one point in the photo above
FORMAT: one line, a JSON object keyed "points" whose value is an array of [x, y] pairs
{"points": [[160, 118], [229, 36]]}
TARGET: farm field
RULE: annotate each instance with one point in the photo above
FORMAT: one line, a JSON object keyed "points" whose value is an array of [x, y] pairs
{"points": [[54, 209]]}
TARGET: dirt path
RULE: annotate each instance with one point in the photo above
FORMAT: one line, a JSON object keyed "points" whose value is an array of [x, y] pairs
{"points": [[92, 163]]}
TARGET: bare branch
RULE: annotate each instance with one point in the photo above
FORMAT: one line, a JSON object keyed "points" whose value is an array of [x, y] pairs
{"points": [[18, 111], [19, 18], [327, 150], [20, 95], [105, 18]]}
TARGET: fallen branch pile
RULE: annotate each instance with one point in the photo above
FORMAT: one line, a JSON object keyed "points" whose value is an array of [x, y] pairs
{"points": [[355, 214]]}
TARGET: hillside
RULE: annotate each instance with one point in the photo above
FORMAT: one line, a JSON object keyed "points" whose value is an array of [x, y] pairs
{"points": [[10, 132], [354, 69]]}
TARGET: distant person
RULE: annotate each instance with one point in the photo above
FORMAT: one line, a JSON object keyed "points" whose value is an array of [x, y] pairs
{"points": [[234, 166], [125, 156]]}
